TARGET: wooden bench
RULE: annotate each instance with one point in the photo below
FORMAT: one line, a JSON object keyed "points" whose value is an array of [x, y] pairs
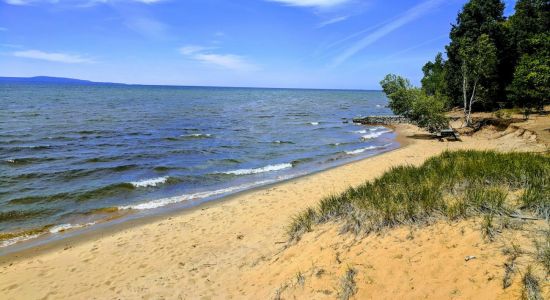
{"points": [[445, 133]]}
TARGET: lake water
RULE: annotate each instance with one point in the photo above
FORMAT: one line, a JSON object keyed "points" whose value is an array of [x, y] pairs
{"points": [[75, 155]]}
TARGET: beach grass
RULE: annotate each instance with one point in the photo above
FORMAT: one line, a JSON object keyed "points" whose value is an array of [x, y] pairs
{"points": [[453, 185]]}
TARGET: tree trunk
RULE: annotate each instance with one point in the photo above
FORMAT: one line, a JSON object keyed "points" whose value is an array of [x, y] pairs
{"points": [[472, 100], [465, 93]]}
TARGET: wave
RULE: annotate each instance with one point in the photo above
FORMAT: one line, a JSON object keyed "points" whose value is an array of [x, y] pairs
{"points": [[23, 148], [282, 142], [27, 160], [187, 197], [65, 227], [375, 134], [105, 191], [197, 135], [16, 215], [18, 239], [150, 182], [268, 168], [358, 151], [301, 160], [76, 173], [35, 233], [38, 199], [313, 123]]}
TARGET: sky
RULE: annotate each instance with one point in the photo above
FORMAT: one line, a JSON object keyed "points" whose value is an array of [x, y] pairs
{"points": [[336, 44]]}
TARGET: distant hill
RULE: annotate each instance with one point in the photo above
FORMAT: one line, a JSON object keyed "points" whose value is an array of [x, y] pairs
{"points": [[49, 80]]}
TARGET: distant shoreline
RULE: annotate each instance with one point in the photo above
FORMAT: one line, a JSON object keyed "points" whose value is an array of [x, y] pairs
{"points": [[73, 81]]}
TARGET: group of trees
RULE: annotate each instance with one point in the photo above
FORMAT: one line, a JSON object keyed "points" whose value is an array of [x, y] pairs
{"points": [[492, 62]]}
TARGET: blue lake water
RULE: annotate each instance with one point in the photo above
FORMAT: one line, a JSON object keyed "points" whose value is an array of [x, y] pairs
{"points": [[74, 155]]}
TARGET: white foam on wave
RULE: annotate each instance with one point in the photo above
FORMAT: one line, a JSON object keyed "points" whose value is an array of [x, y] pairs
{"points": [[149, 182], [268, 168], [53, 230], [64, 227], [187, 197], [358, 151], [18, 239], [375, 134], [314, 123], [197, 135], [11, 161]]}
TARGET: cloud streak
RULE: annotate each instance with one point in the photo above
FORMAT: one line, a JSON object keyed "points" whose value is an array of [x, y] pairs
{"points": [[148, 27], [226, 61], [409, 16], [53, 56], [332, 21]]}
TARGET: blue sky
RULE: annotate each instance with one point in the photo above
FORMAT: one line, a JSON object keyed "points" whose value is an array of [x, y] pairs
{"points": [[261, 43]]}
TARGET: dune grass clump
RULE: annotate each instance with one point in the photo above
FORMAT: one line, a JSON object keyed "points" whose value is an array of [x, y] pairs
{"points": [[531, 286], [543, 251], [453, 185], [348, 286]]}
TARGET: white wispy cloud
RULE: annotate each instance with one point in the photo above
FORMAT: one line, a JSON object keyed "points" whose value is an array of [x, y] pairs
{"points": [[312, 3], [17, 2], [193, 49], [226, 61], [332, 21], [148, 27], [409, 16], [53, 56]]}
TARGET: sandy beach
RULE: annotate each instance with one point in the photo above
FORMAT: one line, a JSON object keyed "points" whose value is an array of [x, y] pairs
{"points": [[237, 247]]}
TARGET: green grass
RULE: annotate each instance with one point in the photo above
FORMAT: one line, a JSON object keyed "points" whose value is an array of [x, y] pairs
{"points": [[453, 185]]}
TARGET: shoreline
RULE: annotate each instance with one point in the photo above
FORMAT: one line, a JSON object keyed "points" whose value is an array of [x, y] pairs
{"points": [[221, 249], [52, 241]]}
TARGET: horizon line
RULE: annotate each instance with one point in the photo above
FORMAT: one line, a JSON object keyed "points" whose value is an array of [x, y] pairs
{"points": [[175, 85]]}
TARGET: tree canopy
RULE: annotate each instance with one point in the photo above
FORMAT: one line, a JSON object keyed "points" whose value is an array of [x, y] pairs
{"points": [[492, 61]]}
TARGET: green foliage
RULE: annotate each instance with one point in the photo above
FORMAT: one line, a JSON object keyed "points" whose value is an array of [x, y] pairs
{"points": [[428, 112], [531, 18], [433, 82], [399, 88], [531, 85], [479, 57], [452, 185], [477, 18], [413, 103], [493, 60]]}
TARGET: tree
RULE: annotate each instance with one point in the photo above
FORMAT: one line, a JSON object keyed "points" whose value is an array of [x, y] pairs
{"points": [[531, 17], [426, 111], [479, 17], [398, 87], [478, 63], [531, 85], [433, 82]]}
